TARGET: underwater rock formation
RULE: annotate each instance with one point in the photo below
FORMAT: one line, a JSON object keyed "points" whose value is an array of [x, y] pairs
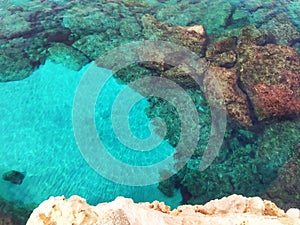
{"points": [[13, 176], [14, 213], [15, 25], [268, 73], [234, 209], [67, 56], [259, 78], [25, 35], [283, 29], [214, 15], [286, 188], [234, 99], [193, 37], [270, 76]]}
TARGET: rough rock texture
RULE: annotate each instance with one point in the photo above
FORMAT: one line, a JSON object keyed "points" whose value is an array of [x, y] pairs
{"points": [[67, 56], [234, 209], [286, 188], [283, 29], [15, 25], [268, 73], [94, 45], [22, 67], [270, 76], [234, 99], [223, 52], [212, 14], [225, 59], [293, 10], [193, 37], [14, 213], [26, 32]]}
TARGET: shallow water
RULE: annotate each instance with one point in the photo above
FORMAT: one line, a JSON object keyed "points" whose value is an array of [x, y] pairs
{"points": [[44, 147], [41, 80]]}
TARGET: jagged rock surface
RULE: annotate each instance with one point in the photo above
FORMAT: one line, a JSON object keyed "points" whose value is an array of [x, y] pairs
{"points": [[234, 209]]}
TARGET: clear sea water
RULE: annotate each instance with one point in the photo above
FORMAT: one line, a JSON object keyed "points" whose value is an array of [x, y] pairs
{"points": [[36, 125], [37, 139]]}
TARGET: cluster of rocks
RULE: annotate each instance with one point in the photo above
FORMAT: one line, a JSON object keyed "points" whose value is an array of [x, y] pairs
{"points": [[245, 158], [259, 78], [268, 74], [234, 209], [258, 72], [84, 30], [26, 33], [241, 63]]}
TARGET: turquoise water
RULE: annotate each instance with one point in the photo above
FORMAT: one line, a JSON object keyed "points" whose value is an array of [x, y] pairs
{"points": [[37, 139], [47, 47]]}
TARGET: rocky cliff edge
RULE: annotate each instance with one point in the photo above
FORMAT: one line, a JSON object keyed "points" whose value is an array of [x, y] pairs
{"points": [[235, 209]]}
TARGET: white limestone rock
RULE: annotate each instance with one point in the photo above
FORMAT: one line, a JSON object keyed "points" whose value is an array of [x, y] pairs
{"points": [[234, 209]]}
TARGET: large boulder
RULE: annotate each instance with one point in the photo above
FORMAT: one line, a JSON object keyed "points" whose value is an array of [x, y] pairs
{"points": [[270, 75]]}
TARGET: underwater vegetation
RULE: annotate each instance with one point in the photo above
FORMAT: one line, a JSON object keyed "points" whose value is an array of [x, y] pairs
{"points": [[251, 47]]}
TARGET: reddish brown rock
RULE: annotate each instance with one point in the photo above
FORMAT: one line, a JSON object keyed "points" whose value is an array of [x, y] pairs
{"points": [[275, 100], [225, 45], [234, 99], [223, 52], [270, 76]]}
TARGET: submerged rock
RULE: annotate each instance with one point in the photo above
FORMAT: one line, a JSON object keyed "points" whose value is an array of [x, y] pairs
{"points": [[223, 53], [270, 76], [26, 32], [92, 18], [94, 46], [14, 212], [67, 56], [13, 176], [15, 25], [286, 188], [284, 31], [235, 100], [234, 209], [21, 68], [193, 37], [214, 15]]}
